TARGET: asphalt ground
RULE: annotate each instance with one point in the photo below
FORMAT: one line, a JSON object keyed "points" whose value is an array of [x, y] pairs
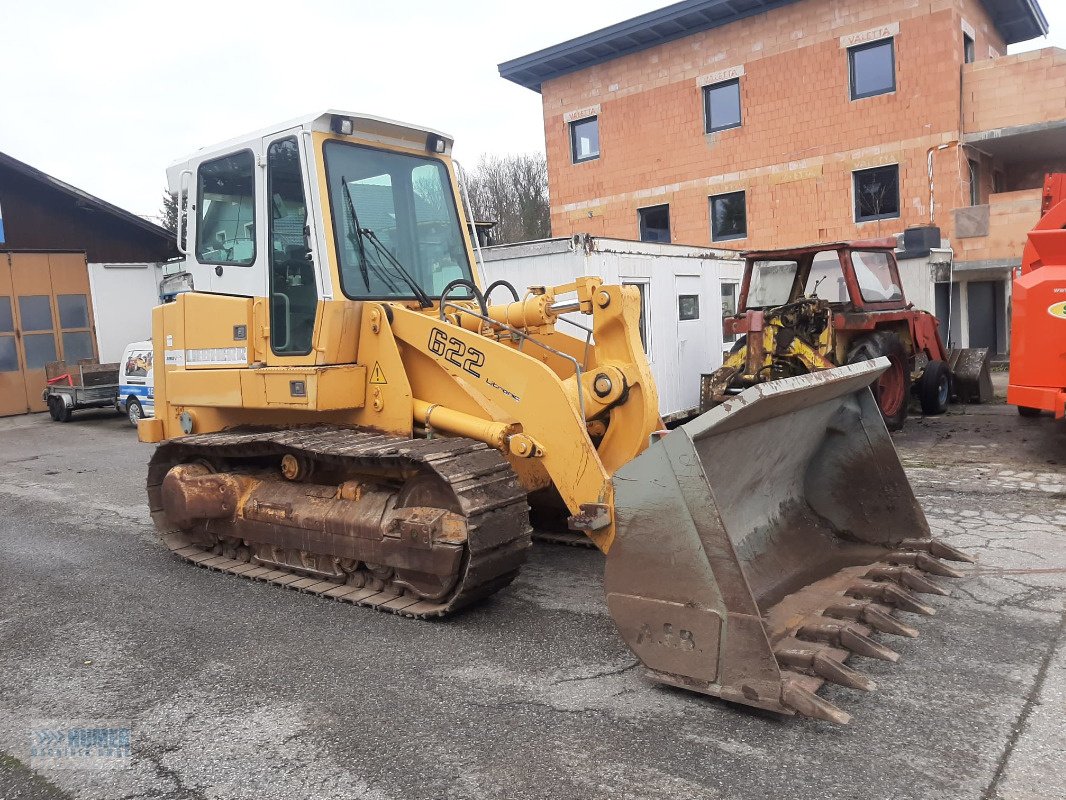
{"points": [[235, 689]]}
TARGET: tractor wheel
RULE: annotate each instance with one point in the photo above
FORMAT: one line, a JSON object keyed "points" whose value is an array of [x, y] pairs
{"points": [[934, 388], [893, 388]]}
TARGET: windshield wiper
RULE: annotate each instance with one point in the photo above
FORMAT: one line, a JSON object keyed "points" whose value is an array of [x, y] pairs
{"points": [[423, 298], [356, 236], [360, 233]]}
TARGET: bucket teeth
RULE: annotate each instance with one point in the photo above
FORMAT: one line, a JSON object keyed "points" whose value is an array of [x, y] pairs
{"points": [[876, 616], [863, 645], [883, 621], [832, 670], [924, 562], [907, 577], [936, 548], [803, 701], [846, 636], [890, 593], [822, 664]]}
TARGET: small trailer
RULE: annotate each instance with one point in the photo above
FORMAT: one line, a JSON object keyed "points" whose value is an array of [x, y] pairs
{"points": [[683, 293], [85, 384]]}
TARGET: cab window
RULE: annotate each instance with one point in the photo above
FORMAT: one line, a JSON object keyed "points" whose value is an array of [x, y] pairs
{"points": [[225, 231], [826, 279], [771, 283], [293, 296], [873, 271]]}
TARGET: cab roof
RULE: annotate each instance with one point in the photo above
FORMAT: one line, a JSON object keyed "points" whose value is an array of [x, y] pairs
{"points": [[793, 252], [365, 126]]}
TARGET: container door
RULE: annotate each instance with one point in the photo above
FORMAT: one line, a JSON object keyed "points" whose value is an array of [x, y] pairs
{"points": [[12, 379], [694, 311], [35, 321]]}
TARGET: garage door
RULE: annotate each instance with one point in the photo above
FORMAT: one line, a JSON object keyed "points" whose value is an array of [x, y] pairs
{"points": [[45, 315]]}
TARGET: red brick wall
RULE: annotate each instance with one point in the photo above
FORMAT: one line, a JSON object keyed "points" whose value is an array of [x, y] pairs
{"points": [[802, 135]]}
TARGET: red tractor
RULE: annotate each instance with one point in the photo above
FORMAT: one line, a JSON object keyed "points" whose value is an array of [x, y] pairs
{"points": [[811, 308]]}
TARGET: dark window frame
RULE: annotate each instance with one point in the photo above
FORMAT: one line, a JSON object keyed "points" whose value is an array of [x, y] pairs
{"points": [[855, 191], [708, 126], [890, 42], [642, 227], [197, 245], [573, 124], [715, 237], [969, 49]]}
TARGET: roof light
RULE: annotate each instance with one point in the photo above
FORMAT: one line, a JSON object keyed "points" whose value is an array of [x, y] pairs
{"points": [[342, 125], [436, 144]]}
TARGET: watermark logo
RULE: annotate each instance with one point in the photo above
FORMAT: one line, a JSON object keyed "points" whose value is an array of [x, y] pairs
{"points": [[80, 743], [1058, 310]]}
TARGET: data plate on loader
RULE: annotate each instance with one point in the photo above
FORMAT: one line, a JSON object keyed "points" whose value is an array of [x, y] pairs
{"points": [[669, 637]]}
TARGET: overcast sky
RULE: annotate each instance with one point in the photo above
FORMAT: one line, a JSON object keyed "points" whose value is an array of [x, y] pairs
{"points": [[105, 94]]}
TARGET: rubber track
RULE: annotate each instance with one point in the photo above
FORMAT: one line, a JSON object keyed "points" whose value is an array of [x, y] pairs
{"points": [[485, 486]]}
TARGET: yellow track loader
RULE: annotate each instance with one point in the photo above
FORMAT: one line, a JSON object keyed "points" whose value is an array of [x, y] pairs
{"points": [[341, 410]]}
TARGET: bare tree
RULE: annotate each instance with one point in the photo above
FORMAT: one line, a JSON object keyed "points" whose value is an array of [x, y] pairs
{"points": [[512, 191]]}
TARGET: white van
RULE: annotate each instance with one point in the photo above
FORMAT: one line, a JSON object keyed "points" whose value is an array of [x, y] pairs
{"points": [[136, 385]]}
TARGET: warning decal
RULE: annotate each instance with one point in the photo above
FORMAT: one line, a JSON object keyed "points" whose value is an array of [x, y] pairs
{"points": [[377, 376]]}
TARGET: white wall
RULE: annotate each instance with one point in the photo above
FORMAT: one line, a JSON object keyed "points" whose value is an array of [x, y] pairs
{"points": [[123, 298]]}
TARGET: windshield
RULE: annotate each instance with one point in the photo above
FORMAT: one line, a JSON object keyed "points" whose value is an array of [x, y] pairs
{"points": [[873, 271], [771, 283], [404, 205]]}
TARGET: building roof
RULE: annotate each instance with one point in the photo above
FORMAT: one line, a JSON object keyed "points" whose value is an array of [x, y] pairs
{"points": [[1017, 21], [81, 197]]}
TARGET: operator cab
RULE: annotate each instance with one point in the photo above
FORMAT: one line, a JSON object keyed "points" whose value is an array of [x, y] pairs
{"points": [[337, 205]]}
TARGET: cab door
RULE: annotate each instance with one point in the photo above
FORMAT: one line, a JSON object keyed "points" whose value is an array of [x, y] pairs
{"points": [[12, 380], [293, 281]]}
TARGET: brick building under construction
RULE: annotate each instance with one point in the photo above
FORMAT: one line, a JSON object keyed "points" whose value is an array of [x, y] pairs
{"points": [[773, 123]]}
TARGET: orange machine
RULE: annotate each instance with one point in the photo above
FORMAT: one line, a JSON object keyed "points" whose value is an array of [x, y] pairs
{"points": [[1038, 338]]}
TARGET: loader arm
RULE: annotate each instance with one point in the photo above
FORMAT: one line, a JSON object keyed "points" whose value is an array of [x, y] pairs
{"points": [[469, 383]]}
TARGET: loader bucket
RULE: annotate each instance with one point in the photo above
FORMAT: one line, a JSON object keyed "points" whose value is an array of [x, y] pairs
{"points": [[759, 546], [971, 378]]}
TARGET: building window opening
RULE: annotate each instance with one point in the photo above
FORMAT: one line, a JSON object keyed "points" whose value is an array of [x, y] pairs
{"points": [[721, 106], [877, 193], [585, 139], [729, 217], [975, 181], [969, 51], [873, 69], [655, 224]]}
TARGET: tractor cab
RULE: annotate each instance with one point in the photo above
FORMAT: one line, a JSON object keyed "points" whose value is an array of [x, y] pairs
{"points": [[853, 276], [806, 309]]}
